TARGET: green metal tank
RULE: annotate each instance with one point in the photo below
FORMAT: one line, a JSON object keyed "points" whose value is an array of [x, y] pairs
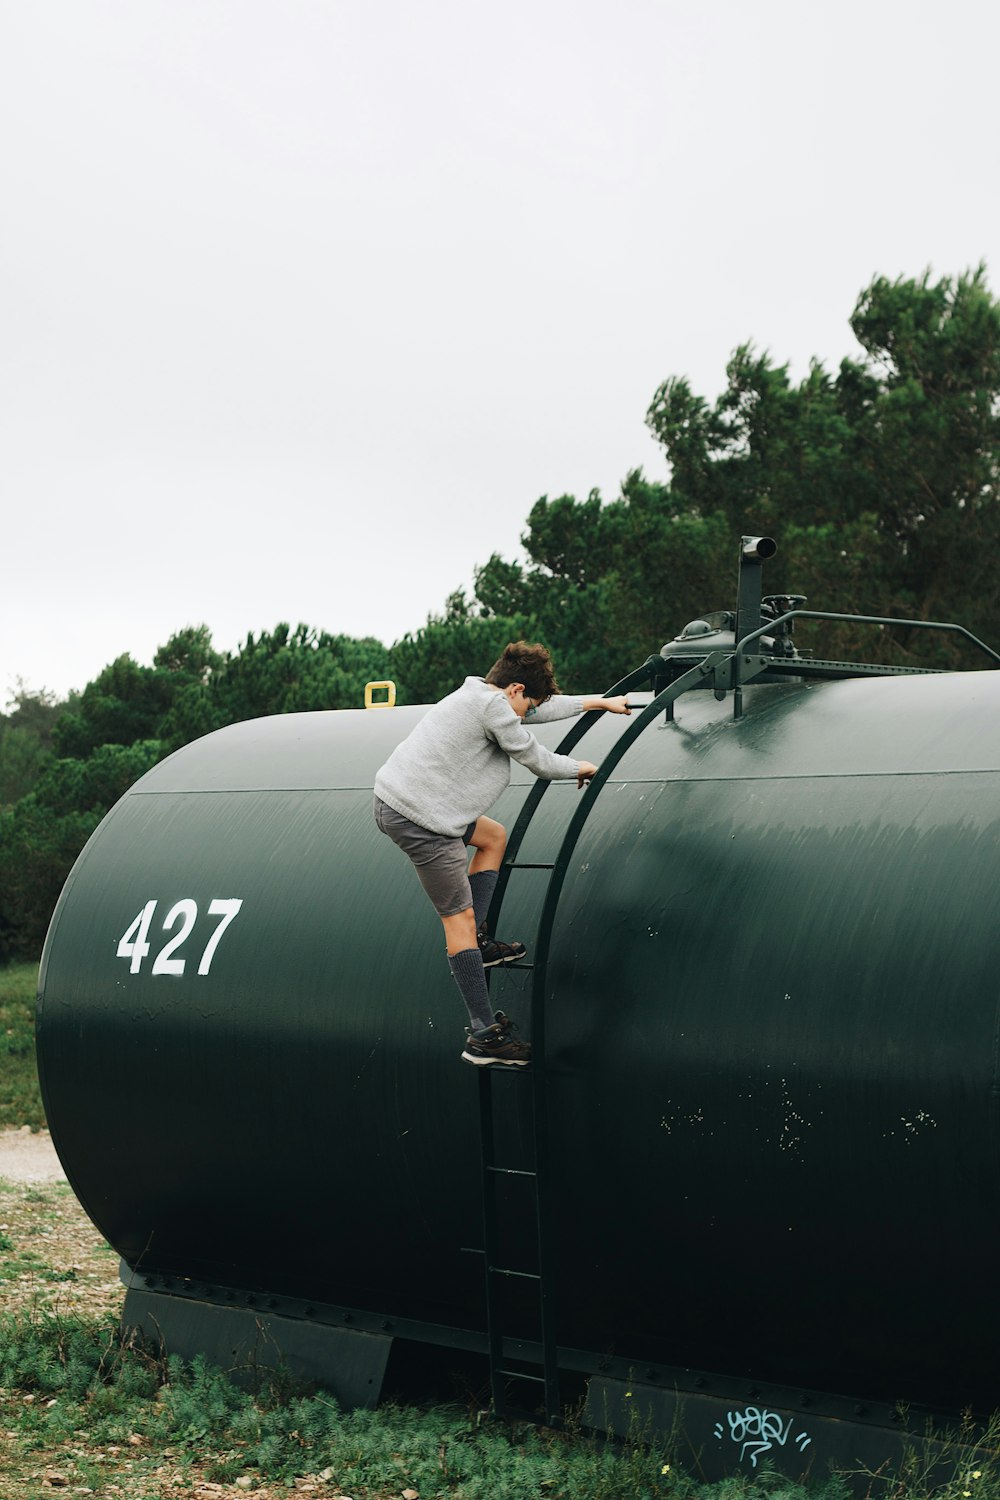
{"points": [[770, 1071]]}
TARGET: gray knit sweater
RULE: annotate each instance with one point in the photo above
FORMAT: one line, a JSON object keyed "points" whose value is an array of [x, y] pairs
{"points": [[456, 762]]}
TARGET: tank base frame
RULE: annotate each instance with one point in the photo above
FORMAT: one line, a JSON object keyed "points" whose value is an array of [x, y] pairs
{"points": [[715, 1426]]}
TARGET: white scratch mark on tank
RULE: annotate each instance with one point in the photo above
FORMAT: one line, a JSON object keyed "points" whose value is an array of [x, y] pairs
{"points": [[653, 931], [668, 1121], [913, 1127], [430, 1022], [367, 1061], [790, 1139]]}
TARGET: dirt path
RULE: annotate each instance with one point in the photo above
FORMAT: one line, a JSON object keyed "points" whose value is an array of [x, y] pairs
{"points": [[28, 1156]]}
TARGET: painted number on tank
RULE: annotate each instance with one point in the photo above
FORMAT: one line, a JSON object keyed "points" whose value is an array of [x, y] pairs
{"points": [[134, 943]]}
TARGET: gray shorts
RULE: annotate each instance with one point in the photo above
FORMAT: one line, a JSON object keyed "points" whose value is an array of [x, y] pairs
{"points": [[441, 862]]}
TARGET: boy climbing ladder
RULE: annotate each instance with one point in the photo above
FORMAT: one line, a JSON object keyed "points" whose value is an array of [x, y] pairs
{"points": [[430, 797]]}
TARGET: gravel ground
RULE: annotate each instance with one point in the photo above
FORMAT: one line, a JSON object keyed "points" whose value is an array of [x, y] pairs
{"points": [[28, 1155]]}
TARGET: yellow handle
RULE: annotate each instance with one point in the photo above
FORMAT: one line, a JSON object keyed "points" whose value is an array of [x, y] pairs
{"points": [[390, 688]]}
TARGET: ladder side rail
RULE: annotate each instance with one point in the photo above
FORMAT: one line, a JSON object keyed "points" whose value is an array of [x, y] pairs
{"points": [[574, 734], [494, 1323], [546, 1261]]}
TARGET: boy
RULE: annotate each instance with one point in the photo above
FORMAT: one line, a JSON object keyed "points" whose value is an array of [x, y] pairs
{"points": [[429, 797]]}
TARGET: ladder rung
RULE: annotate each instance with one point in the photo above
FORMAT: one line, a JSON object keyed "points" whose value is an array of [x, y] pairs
{"points": [[549, 866], [511, 1172], [506, 1271]]}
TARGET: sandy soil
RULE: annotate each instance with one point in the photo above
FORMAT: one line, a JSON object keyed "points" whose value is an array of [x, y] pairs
{"points": [[28, 1156]]}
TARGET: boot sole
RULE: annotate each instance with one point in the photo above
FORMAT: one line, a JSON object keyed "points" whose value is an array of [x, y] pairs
{"points": [[496, 1062]]}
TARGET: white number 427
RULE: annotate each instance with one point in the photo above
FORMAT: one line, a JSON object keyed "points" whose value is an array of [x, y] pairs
{"points": [[134, 944]]}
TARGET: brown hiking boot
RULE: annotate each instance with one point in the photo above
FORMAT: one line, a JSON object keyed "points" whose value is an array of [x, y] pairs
{"points": [[496, 953], [498, 1046]]}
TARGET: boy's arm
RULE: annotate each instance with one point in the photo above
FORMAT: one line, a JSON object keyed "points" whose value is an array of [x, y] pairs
{"points": [[514, 740], [565, 705], [559, 706]]}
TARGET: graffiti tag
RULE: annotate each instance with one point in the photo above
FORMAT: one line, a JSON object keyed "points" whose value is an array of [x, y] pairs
{"points": [[758, 1431]]}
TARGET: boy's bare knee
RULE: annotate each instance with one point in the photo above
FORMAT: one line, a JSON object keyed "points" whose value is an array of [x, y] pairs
{"points": [[490, 834]]}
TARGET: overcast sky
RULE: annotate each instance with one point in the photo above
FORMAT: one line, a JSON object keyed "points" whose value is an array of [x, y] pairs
{"points": [[305, 302]]}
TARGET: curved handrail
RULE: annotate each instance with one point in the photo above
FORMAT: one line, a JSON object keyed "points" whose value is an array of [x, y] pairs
{"points": [[822, 614], [547, 921], [574, 734]]}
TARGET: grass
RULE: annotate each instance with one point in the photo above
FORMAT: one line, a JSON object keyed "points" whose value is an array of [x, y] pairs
{"points": [[106, 1416], [20, 1100], [85, 1411]]}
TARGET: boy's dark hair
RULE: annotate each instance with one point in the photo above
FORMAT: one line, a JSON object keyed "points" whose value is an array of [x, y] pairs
{"points": [[531, 665]]}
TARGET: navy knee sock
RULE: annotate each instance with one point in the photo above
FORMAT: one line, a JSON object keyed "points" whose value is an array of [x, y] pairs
{"points": [[483, 885], [470, 976]]}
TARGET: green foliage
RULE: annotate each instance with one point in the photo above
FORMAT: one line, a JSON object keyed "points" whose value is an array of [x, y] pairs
{"points": [[95, 784], [438, 658], [124, 703], [20, 1101], [41, 836], [636, 570], [26, 739], [37, 850], [285, 671], [22, 759], [880, 484]]}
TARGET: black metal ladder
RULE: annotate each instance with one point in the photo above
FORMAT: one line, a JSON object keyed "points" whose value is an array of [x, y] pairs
{"points": [[537, 1359]]}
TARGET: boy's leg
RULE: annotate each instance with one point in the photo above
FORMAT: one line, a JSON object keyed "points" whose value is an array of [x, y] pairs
{"points": [[440, 864], [489, 839], [466, 964]]}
